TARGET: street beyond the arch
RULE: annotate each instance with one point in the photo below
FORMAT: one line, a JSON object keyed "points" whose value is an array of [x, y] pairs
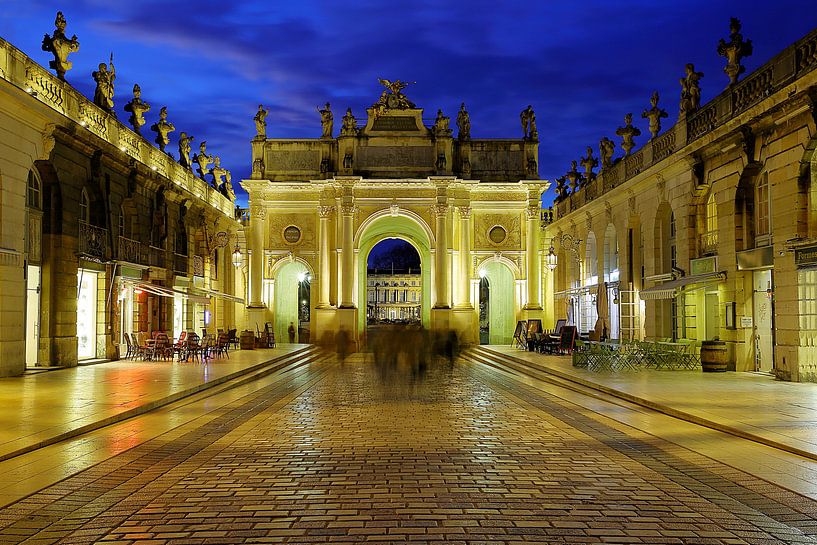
{"points": [[360, 450]]}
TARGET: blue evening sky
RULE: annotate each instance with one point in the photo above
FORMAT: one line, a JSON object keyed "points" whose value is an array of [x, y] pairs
{"points": [[582, 65]]}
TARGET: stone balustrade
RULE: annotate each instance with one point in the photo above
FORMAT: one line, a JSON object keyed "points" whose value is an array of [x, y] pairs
{"points": [[22, 72], [780, 71]]}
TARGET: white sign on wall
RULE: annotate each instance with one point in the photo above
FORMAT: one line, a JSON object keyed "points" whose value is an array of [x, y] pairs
{"points": [[745, 321]]}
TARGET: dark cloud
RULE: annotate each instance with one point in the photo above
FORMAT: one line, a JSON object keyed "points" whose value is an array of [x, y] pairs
{"points": [[581, 65]]}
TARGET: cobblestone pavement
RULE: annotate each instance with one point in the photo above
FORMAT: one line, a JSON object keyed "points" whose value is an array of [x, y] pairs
{"points": [[348, 453]]}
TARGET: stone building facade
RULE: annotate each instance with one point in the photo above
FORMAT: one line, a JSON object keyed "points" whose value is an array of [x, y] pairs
{"points": [[100, 232], [709, 230], [394, 297], [318, 207]]}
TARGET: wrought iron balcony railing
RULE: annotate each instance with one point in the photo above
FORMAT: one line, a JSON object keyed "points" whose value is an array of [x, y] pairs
{"points": [[93, 241], [709, 243], [157, 257], [198, 265], [131, 251]]}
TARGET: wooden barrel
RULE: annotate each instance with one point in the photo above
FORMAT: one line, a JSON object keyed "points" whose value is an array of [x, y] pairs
{"points": [[714, 356], [247, 340]]}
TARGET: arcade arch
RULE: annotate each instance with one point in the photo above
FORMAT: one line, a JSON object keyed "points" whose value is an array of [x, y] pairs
{"points": [[405, 226], [497, 301], [292, 294]]}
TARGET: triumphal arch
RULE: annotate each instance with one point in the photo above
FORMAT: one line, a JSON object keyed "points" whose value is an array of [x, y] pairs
{"points": [[470, 207]]}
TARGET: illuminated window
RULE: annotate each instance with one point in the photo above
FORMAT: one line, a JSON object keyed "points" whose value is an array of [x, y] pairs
{"points": [[33, 192], [84, 208], [711, 214], [762, 206]]}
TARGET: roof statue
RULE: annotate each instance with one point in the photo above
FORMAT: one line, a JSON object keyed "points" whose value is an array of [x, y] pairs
{"points": [[627, 132], [327, 121], [217, 171], [441, 125], [734, 50], [528, 119], [261, 122], [162, 128], [104, 77], [654, 114], [463, 124], [574, 176], [392, 98], [349, 124], [137, 108], [606, 148], [690, 90], [202, 159], [589, 162], [184, 150], [60, 46]]}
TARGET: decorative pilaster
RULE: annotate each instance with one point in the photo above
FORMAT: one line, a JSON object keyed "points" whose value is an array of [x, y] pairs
{"points": [[532, 249], [465, 258], [441, 261], [324, 213], [348, 254], [258, 216]]}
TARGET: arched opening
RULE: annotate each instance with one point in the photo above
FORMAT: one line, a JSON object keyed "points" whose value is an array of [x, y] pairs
{"points": [[665, 252], [33, 234], [409, 229], [292, 303], [497, 285], [394, 284], [484, 316], [611, 280], [586, 314]]}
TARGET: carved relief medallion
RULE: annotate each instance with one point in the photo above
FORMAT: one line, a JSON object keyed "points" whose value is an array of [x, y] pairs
{"points": [[292, 234]]}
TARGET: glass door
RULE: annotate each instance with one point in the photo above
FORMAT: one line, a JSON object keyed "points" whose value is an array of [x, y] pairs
{"points": [[763, 320], [32, 314], [86, 314]]}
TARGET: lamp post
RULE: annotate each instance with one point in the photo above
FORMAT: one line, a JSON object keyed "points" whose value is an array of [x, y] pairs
{"points": [[551, 260], [237, 257]]}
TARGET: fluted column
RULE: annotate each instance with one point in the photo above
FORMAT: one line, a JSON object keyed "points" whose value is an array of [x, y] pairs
{"points": [[533, 262], [465, 257], [441, 260], [258, 216], [324, 213], [347, 299]]}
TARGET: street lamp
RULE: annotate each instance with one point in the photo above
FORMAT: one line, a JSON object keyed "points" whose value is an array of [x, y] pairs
{"points": [[237, 257], [551, 258]]}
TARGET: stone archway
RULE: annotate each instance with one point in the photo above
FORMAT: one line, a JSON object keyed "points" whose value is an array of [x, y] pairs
{"points": [[407, 227], [501, 302], [288, 276]]}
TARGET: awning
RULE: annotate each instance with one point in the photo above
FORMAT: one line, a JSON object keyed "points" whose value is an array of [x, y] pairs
{"points": [[672, 288], [221, 295], [164, 291], [575, 292]]}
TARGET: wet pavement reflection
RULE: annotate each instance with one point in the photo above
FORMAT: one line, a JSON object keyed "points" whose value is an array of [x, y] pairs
{"points": [[405, 444]]}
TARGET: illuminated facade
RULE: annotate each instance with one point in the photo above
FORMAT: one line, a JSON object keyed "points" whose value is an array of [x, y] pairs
{"points": [[101, 233], [394, 297], [320, 205], [709, 230]]}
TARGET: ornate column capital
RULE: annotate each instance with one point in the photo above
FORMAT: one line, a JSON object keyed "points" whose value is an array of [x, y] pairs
{"points": [[439, 210], [257, 211], [533, 213], [465, 212], [348, 209], [325, 211]]}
